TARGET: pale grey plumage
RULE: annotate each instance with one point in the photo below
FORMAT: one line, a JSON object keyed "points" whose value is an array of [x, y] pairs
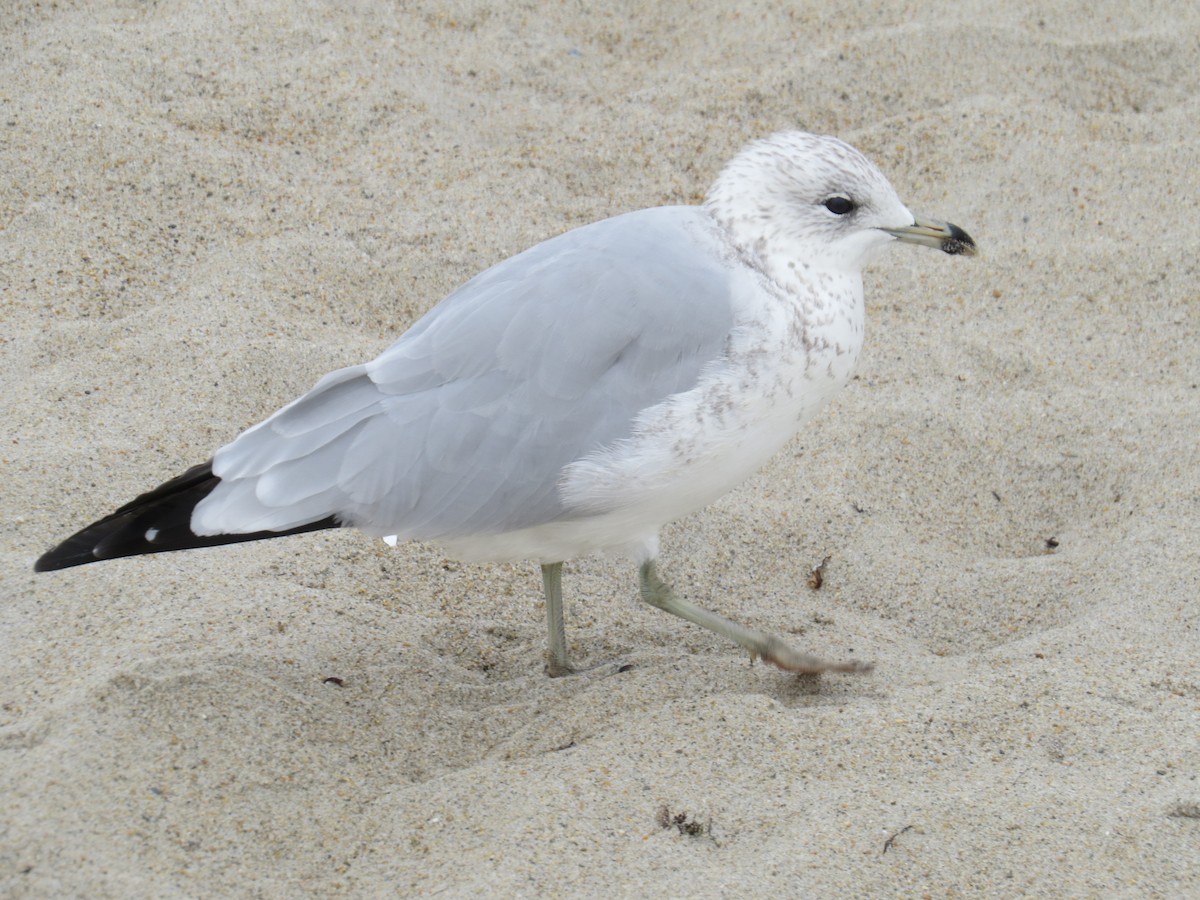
{"points": [[464, 425]]}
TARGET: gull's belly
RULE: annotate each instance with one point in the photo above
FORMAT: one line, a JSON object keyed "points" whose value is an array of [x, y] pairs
{"points": [[705, 458]]}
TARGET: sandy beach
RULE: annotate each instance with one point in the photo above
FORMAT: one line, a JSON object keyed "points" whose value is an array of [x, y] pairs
{"points": [[205, 207]]}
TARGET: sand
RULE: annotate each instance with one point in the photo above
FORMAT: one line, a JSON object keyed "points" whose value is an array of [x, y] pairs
{"points": [[204, 207]]}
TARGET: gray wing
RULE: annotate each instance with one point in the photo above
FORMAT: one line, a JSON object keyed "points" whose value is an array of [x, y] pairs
{"points": [[464, 424]]}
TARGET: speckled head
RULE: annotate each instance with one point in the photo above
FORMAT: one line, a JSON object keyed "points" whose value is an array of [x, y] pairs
{"points": [[818, 201]]}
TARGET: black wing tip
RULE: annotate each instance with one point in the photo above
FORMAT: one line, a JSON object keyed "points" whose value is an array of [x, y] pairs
{"points": [[63, 557], [158, 521], [124, 532]]}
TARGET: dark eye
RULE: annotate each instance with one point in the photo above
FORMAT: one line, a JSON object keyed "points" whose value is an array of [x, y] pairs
{"points": [[839, 206]]}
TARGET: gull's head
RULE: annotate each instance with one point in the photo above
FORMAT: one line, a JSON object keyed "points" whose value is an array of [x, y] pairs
{"points": [[818, 202]]}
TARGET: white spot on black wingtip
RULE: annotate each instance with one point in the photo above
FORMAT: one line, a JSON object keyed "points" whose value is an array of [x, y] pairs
{"points": [[151, 534]]}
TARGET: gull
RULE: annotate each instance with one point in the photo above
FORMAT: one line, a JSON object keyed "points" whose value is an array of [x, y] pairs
{"points": [[578, 396]]}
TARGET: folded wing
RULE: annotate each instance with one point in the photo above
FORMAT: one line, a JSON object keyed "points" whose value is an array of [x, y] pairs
{"points": [[464, 425]]}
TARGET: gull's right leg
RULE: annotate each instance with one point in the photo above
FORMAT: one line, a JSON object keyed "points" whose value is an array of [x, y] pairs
{"points": [[771, 649]]}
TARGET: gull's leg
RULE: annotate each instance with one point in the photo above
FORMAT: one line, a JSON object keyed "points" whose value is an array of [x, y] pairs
{"points": [[556, 662], [771, 649], [556, 658]]}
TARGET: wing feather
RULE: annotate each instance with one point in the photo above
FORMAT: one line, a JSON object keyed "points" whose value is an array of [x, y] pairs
{"points": [[464, 425]]}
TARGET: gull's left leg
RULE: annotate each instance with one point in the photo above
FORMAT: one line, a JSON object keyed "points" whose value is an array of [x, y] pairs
{"points": [[556, 658], [771, 649], [557, 664]]}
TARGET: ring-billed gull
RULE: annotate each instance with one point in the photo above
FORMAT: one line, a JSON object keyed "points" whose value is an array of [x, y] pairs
{"points": [[575, 397]]}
